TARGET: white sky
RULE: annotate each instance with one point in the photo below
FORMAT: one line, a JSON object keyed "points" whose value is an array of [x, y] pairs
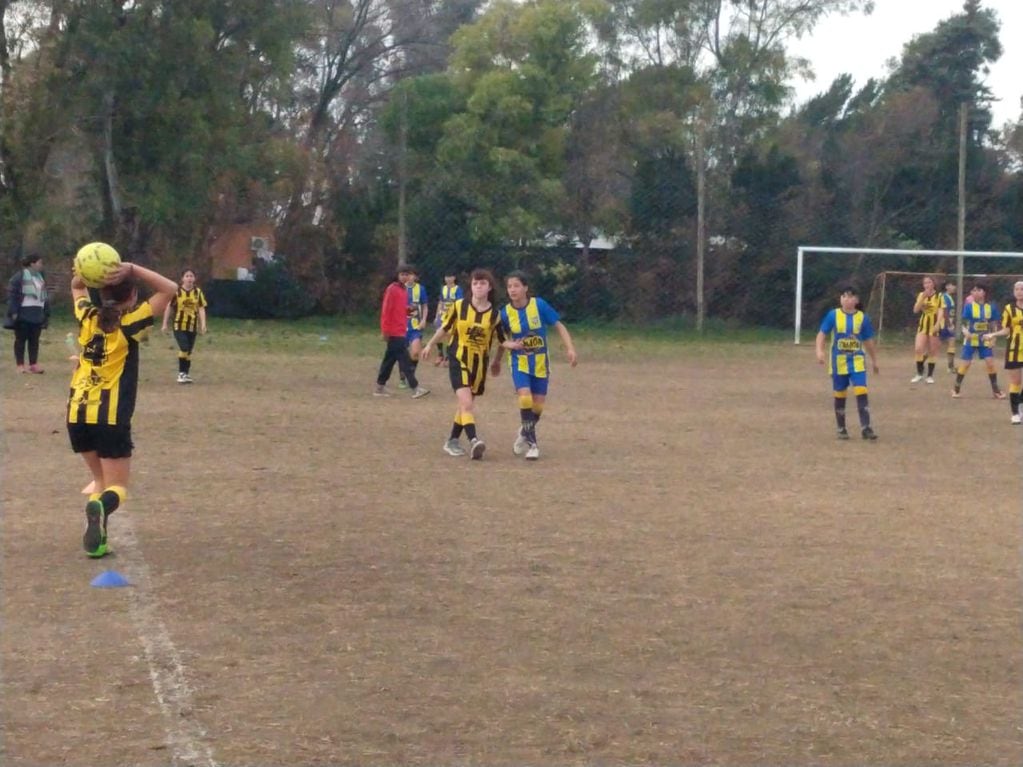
{"points": [[861, 45]]}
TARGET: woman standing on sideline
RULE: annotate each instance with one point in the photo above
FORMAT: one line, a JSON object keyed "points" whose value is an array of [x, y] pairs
{"points": [[947, 323], [1012, 326], [104, 386], [980, 319], [851, 334], [927, 346], [472, 324], [393, 321], [525, 320], [28, 311], [189, 308]]}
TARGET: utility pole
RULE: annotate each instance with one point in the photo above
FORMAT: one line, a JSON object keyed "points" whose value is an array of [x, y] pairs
{"points": [[402, 179], [964, 109], [701, 224]]}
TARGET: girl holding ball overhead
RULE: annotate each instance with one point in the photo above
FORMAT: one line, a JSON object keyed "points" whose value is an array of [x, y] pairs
{"points": [[105, 383]]}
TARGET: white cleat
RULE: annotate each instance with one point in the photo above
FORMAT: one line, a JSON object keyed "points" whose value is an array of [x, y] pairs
{"points": [[1015, 419], [452, 447], [916, 379], [521, 444], [533, 453], [182, 378], [420, 392], [930, 379], [476, 449]]}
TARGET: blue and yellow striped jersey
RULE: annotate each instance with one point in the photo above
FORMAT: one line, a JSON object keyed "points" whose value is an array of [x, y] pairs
{"points": [[848, 333], [416, 298], [529, 325], [949, 304], [979, 318]]}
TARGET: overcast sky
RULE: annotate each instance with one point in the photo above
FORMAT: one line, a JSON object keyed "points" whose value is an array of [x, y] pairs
{"points": [[861, 45]]}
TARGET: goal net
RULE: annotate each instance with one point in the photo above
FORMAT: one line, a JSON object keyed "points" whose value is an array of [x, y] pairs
{"points": [[893, 294], [821, 271]]}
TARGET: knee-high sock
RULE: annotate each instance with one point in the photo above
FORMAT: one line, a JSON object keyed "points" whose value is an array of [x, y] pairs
{"points": [[184, 362], [1014, 397], [919, 365], [469, 424], [526, 415], [993, 378], [951, 360], [930, 369], [111, 498], [960, 375], [863, 406], [840, 409], [456, 428]]}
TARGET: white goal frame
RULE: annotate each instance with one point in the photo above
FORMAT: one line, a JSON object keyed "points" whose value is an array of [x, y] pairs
{"points": [[804, 250]]}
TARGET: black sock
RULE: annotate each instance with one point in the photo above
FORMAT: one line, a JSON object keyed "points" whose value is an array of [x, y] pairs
{"points": [[111, 499], [470, 431], [1014, 402], [864, 409], [930, 370], [919, 367], [840, 412], [959, 380], [993, 377], [528, 423], [456, 430], [951, 360]]}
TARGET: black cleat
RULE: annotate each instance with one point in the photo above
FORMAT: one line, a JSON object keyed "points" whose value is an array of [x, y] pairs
{"points": [[868, 433], [843, 433], [95, 539]]}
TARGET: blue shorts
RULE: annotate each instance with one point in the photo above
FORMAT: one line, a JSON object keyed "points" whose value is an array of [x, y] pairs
{"points": [[981, 352], [412, 335], [526, 381], [841, 382], [944, 335]]}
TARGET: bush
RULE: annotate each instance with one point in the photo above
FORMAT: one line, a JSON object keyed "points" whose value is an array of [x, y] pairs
{"points": [[276, 294]]}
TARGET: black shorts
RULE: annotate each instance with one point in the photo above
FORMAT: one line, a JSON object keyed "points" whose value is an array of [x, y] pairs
{"points": [[105, 441], [462, 376], [1013, 365]]}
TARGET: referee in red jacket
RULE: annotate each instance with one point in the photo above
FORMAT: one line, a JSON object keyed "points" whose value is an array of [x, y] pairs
{"points": [[393, 318]]}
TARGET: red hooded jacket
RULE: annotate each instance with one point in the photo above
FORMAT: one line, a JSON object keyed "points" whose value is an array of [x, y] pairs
{"points": [[394, 311]]}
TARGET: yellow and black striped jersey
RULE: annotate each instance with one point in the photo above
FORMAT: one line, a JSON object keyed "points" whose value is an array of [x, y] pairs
{"points": [[104, 385], [474, 331], [928, 313], [1012, 318], [187, 304]]}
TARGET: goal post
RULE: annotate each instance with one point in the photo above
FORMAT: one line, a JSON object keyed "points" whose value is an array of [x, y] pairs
{"points": [[803, 251], [894, 293]]}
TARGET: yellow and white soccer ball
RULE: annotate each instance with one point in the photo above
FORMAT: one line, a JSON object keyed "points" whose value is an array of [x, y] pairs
{"points": [[95, 262]]}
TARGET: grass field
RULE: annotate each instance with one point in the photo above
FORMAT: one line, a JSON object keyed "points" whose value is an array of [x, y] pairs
{"points": [[695, 572]]}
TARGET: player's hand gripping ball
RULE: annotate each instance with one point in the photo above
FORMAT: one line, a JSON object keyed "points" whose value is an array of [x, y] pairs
{"points": [[95, 262]]}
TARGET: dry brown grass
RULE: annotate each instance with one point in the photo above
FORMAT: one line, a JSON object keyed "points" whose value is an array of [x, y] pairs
{"points": [[696, 571]]}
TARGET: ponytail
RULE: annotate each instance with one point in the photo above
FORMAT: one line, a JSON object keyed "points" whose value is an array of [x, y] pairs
{"points": [[113, 301]]}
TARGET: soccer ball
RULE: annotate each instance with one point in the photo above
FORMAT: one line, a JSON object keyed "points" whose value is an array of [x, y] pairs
{"points": [[95, 262]]}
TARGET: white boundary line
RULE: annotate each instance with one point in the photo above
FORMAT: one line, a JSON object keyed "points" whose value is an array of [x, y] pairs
{"points": [[186, 738]]}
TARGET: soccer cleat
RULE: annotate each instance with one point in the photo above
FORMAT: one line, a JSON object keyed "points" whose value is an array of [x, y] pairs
{"points": [[533, 453], [521, 444], [930, 379], [868, 433], [843, 434], [186, 378], [916, 379], [380, 391], [476, 449], [181, 378], [94, 541], [1015, 419], [956, 394], [420, 392], [452, 447], [998, 394]]}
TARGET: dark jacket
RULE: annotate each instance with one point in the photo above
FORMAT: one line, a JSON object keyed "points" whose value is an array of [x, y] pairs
{"points": [[34, 315]]}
